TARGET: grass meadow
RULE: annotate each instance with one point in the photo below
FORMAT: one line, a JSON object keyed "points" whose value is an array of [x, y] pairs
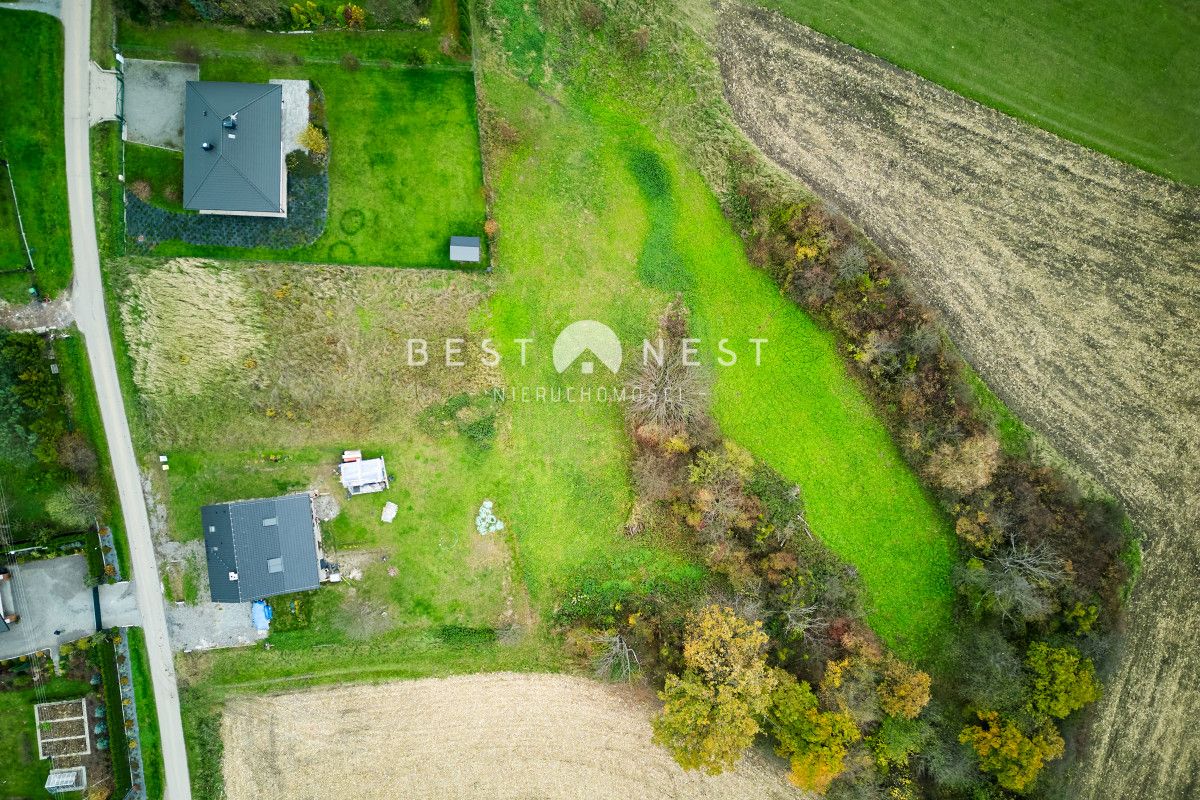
{"points": [[404, 167], [31, 139], [1108, 75]]}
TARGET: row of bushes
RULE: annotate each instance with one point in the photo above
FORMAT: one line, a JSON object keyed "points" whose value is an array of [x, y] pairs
{"points": [[1043, 568], [306, 14], [774, 641]]}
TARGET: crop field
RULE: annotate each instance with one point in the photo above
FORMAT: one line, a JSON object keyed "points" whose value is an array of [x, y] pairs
{"points": [[32, 142], [502, 735], [1066, 278], [1114, 76], [404, 166]]}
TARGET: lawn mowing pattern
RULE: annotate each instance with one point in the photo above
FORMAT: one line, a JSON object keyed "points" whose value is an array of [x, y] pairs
{"points": [[404, 168], [1114, 76], [31, 138]]}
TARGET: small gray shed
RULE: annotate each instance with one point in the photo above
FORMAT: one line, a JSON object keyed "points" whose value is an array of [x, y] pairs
{"points": [[464, 248]]}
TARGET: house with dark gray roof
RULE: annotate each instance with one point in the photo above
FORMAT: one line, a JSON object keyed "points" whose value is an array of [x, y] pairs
{"points": [[260, 548], [233, 149]]}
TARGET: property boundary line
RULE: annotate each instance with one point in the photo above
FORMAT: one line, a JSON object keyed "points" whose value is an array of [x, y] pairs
{"points": [[20, 220]]}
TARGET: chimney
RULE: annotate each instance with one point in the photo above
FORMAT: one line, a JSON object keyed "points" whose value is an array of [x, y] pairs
{"points": [[206, 146]]}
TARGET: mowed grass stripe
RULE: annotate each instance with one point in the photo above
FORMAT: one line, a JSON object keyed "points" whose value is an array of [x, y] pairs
{"points": [[31, 138], [801, 412], [1116, 77]]}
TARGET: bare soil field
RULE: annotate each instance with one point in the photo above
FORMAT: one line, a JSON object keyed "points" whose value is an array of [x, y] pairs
{"points": [[1070, 281], [502, 735]]}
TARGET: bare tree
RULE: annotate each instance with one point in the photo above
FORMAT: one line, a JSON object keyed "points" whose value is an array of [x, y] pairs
{"points": [[616, 659], [1038, 563], [800, 620], [667, 395]]}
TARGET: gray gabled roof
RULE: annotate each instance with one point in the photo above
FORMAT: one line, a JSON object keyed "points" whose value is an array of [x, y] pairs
{"points": [[269, 544], [244, 169]]}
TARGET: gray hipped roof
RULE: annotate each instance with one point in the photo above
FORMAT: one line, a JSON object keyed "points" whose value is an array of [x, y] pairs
{"points": [[244, 169], [269, 544]]}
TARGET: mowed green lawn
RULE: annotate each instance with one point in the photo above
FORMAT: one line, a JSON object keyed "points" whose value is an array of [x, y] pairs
{"points": [[31, 138], [1115, 76], [404, 171]]}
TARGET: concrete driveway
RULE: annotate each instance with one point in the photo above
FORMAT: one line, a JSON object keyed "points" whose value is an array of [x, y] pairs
{"points": [[57, 606]]}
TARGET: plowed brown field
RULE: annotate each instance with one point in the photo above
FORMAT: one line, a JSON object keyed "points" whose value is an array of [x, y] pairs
{"points": [[1070, 281], [475, 737]]}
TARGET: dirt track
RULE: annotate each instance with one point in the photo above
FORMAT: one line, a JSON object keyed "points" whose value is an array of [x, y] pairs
{"points": [[1069, 280], [476, 737]]}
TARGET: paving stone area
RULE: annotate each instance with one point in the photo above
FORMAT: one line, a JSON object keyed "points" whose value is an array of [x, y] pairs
{"points": [[154, 97]]}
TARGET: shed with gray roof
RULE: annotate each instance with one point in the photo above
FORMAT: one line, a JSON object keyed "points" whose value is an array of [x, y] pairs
{"points": [[464, 248], [233, 150], [260, 548]]}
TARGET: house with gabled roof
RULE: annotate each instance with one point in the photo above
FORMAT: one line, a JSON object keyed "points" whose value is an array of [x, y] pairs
{"points": [[261, 548]]}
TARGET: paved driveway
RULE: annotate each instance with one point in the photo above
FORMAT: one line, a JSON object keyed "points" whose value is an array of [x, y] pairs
{"points": [[154, 96], [53, 595]]}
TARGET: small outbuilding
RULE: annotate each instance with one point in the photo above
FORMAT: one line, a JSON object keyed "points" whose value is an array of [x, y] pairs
{"points": [[363, 476], [260, 548], [464, 249]]}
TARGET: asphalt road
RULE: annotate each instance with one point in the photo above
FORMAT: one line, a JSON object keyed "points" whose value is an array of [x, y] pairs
{"points": [[88, 303]]}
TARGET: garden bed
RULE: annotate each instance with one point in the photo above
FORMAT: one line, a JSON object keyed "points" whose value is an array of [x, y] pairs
{"points": [[308, 204]]}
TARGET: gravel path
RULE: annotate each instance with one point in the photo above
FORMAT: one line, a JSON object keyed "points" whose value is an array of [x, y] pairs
{"points": [[1068, 279], [208, 625], [37, 317], [295, 112]]}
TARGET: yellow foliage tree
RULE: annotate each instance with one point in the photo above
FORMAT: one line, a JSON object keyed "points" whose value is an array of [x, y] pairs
{"points": [[710, 713], [904, 691], [1005, 750], [314, 140], [814, 741]]}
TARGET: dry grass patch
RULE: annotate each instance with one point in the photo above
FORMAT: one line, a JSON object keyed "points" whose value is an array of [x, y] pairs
{"points": [[288, 355], [188, 325], [482, 737]]}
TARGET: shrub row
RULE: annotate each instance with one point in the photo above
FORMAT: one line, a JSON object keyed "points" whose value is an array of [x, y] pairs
{"points": [[308, 208]]}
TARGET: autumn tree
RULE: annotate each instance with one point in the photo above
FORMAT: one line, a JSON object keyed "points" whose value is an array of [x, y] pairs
{"points": [[904, 690], [967, 467], [814, 741], [1008, 753], [710, 713], [1061, 680], [314, 140]]}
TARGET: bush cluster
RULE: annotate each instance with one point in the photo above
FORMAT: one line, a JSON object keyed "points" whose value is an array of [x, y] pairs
{"points": [[1043, 567], [308, 207]]}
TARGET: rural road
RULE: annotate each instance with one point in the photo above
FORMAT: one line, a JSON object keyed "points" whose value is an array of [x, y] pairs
{"points": [[88, 302]]}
